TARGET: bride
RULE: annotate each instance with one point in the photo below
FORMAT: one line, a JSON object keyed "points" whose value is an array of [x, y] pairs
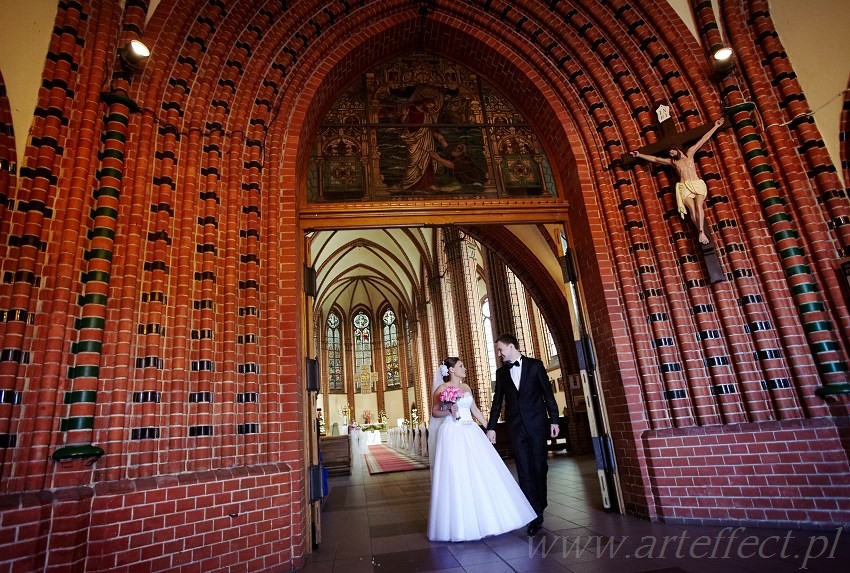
{"points": [[473, 494]]}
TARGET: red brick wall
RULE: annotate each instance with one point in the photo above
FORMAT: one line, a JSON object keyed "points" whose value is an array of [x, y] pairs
{"points": [[844, 137], [788, 472], [204, 522], [163, 323]]}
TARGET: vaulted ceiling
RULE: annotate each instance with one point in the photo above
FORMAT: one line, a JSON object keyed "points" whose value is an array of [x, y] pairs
{"points": [[369, 267]]}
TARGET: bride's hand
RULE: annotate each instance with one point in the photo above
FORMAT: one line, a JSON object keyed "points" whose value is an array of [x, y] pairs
{"points": [[454, 409]]}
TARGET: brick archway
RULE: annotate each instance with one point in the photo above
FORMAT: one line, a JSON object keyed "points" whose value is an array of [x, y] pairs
{"points": [[157, 314], [8, 155], [570, 114]]}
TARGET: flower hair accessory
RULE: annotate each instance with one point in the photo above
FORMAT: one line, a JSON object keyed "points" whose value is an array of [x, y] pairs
{"points": [[444, 370]]}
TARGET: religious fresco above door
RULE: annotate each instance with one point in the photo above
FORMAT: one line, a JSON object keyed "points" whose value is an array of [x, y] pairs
{"points": [[418, 127]]}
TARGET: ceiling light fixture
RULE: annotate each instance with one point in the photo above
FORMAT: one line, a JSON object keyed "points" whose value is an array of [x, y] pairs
{"points": [[134, 53], [722, 54], [724, 61]]}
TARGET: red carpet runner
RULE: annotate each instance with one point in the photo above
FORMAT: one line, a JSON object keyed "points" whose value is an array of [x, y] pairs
{"points": [[382, 460]]}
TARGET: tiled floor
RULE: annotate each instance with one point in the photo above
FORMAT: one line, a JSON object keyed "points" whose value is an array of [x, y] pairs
{"points": [[377, 524]]}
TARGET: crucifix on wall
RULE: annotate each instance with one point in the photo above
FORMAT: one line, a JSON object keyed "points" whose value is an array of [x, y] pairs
{"points": [[676, 149]]}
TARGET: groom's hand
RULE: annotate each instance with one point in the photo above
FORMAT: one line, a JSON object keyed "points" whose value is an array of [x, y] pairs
{"points": [[491, 435], [554, 429]]}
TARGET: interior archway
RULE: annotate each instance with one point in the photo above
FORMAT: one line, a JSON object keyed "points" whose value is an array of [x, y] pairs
{"points": [[547, 101]]}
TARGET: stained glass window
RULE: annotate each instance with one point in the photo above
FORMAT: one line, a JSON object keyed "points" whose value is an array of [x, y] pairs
{"points": [[362, 345], [391, 349], [487, 327], [334, 354], [553, 350]]}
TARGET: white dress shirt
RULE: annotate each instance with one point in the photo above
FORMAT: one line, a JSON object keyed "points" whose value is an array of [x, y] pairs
{"points": [[516, 372]]}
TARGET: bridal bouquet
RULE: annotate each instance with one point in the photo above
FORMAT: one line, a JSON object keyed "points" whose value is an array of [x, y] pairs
{"points": [[450, 395]]}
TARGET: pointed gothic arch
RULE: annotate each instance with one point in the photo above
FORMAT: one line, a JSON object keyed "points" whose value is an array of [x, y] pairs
{"points": [[215, 163]]}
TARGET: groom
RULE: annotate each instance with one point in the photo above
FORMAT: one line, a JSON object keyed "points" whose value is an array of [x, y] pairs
{"points": [[523, 385]]}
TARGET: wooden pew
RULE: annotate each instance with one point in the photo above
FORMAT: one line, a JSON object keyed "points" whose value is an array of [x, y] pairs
{"points": [[336, 455]]}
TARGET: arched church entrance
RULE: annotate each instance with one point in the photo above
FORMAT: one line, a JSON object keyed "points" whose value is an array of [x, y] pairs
{"points": [[387, 305], [435, 221]]}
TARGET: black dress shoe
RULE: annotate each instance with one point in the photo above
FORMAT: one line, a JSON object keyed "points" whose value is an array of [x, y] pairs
{"points": [[534, 527]]}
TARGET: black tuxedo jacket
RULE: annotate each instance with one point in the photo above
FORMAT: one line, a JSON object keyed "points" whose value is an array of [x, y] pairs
{"points": [[527, 406]]}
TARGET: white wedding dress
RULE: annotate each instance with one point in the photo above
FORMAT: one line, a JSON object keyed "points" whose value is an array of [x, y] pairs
{"points": [[473, 494]]}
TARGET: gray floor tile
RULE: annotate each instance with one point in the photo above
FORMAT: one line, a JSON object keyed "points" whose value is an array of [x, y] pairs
{"points": [[378, 524]]}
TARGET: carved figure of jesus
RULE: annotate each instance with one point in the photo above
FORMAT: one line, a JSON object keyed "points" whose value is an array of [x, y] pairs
{"points": [[691, 191]]}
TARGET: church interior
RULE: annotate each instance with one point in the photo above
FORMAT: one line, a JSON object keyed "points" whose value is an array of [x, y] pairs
{"points": [[237, 238]]}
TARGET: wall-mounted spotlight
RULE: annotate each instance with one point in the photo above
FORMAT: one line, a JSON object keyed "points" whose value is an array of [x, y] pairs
{"points": [[722, 54], [134, 53], [723, 60]]}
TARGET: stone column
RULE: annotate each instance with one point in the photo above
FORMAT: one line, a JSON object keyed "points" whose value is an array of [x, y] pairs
{"points": [[455, 247], [404, 366], [348, 375], [501, 316]]}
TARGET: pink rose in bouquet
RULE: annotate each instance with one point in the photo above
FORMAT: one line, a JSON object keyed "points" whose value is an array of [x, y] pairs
{"points": [[450, 395]]}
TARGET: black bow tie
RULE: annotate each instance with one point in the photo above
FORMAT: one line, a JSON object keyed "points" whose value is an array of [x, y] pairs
{"points": [[515, 363]]}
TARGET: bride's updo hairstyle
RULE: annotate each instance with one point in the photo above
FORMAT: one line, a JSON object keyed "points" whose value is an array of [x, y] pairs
{"points": [[449, 363]]}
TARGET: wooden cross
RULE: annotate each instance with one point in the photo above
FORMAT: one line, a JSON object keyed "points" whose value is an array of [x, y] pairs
{"points": [[669, 138]]}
